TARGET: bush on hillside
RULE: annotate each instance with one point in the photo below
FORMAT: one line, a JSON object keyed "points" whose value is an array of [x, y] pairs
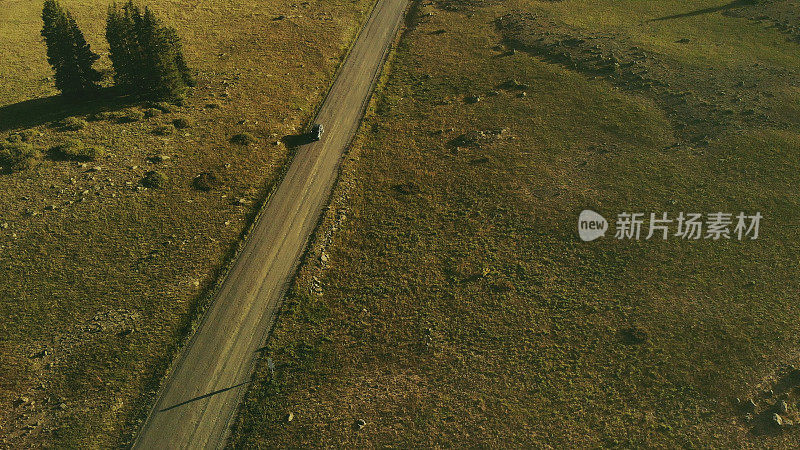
{"points": [[18, 156]]}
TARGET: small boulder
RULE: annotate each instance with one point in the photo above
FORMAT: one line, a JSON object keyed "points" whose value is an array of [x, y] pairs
{"points": [[360, 424], [159, 158]]}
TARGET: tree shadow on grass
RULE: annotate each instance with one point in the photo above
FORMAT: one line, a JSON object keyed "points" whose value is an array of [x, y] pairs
{"points": [[732, 5], [39, 111]]}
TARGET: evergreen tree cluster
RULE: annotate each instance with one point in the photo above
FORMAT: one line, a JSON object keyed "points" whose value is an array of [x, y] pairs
{"points": [[146, 55], [68, 52]]}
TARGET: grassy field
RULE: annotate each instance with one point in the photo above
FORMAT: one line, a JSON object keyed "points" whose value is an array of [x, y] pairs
{"points": [[447, 299], [100, 276]]}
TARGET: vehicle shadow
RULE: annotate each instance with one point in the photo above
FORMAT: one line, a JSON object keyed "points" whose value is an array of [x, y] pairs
{"points": [[39, 111], [296, 140]]}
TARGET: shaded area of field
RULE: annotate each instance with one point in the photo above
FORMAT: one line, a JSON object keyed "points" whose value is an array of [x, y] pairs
{"points": [[448, 300]]}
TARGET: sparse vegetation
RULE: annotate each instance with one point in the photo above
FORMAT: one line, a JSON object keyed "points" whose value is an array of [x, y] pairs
{"points": [[456, 306], [133, 288]]}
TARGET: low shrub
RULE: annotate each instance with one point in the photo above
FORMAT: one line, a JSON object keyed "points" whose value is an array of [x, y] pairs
{"points": [[71, 124], [181, 122], [154, 179], [163, 130], [151, 112], [131, 116], [164, 107], [75, 150], [102, 115], [205, 181], [18, 156], [243, 139]]}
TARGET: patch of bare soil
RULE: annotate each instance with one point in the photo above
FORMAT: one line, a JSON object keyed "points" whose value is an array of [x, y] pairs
{"points": [[701, 102]]}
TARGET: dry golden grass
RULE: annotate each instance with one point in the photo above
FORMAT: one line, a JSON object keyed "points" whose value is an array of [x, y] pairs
{"points": [[456, 305], [107, 277]]}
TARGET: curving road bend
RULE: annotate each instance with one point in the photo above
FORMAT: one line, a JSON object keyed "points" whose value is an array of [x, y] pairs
{"points": [[196, 404]]}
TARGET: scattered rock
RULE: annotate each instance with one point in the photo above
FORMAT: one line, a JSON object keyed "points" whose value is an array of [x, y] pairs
{"points": [[777, 420], [478, 138], [360, 424], [289, 417], [514, 85], [158, 158], [783, 407], [40, 354]]}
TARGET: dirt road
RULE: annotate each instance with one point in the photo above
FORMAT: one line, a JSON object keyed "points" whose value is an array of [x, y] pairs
{"points": [[196, 404]]}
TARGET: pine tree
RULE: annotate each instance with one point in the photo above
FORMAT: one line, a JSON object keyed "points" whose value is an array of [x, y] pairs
{"points": [[147, 56], [68, 52]]}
